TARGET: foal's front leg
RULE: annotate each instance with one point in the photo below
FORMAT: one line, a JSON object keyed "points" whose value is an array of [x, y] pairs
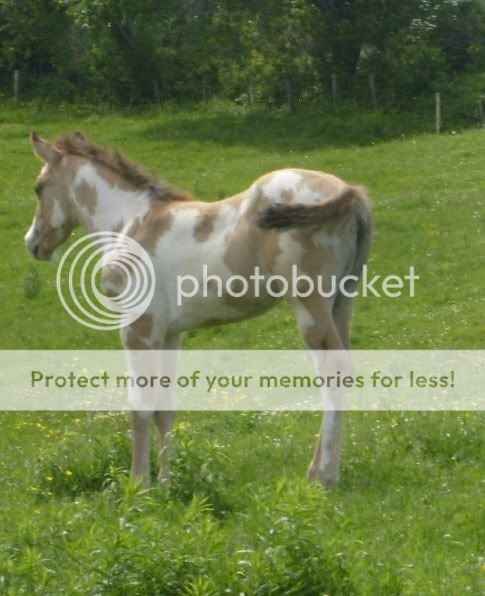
{"points": [[164, 419], [140, 463], [141, 345]]}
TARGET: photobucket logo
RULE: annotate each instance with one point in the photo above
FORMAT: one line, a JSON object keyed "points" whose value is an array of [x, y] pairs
{"points": [[299, 285], [110, 280]]}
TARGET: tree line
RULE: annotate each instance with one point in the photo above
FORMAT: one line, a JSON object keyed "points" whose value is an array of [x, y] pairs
{"points": [[270, 52]]}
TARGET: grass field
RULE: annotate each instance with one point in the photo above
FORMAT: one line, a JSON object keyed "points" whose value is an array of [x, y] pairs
{"points": [[238, 516]]}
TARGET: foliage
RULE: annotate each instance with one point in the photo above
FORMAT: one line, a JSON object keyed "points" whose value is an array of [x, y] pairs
{"points": [[404, 521], [272, 53]]}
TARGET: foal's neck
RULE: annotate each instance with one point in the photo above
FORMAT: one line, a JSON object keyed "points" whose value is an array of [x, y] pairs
{"points": [[105, 203]]}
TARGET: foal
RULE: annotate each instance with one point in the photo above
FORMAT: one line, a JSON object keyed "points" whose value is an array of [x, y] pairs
{"points": [[288, 218]]}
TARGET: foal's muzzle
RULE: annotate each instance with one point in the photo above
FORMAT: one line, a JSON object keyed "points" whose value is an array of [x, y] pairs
{"points": [[33, 244]]}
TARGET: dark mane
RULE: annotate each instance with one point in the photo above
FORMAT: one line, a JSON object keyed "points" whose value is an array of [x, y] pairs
{"points": [[76, 144]]}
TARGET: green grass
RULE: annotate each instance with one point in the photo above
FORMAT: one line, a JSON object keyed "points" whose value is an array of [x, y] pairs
{"points": [[238, 516]]}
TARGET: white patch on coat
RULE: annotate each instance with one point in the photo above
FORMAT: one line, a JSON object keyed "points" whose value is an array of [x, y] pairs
{"points": [[184, 224], [43, 172], [280, 182], [304, 317], [111, 200], [306, 196], [227, 218], [29, 237], [58, 217], [291, 252], [323, 239]]}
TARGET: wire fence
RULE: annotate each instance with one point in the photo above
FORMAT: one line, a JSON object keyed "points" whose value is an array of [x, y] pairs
{"points": [[440, 110]]}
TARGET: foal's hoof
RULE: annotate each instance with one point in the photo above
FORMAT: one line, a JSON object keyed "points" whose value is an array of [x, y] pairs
{"points": [[326, 478]]}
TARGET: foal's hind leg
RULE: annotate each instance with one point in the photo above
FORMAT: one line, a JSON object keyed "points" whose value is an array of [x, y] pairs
{"points": [[342, 316], [320, 332], [326, 462]]}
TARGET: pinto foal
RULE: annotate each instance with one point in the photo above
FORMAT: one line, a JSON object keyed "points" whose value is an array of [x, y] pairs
{"points": [[288, 218]]}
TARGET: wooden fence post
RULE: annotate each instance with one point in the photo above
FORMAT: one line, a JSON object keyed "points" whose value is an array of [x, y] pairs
{"points": [[250, 95], [156, 91], [438, 112], [290, 96], [334, 88], [16, 84], [373, 92]]}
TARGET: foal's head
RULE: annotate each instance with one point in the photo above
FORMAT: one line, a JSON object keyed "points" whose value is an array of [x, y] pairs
{"points": [[55, 216]]}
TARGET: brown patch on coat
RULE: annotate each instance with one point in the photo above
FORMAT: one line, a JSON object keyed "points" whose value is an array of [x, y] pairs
{"points": [[206, 221], [114, 280], [143, 327], [87, 197], [113, 178], [55, 181], [316, 261], [50, 238], [286, 195], [148, 230], [247, 246], [52, 183], [271, 250], [242, 242]]}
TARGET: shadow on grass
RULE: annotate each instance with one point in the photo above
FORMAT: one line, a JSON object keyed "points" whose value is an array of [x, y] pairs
{"points": [[271, 130], [283, 132]]}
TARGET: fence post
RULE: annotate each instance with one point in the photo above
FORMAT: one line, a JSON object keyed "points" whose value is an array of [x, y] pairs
{"points": [[250, 95], [16, 84], [373, 92], [480, 110], [290, 97], [334, 88], [204, 88], [438, 112], [156, 91]]}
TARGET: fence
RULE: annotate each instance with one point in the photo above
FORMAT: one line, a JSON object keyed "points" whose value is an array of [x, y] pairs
{"points": [[23, 86]]}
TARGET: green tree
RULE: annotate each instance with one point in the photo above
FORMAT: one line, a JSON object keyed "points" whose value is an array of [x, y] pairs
{"points": [[35, 38]]}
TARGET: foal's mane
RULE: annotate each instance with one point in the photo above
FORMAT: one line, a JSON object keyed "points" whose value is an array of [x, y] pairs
{"points": [[77, 145]]}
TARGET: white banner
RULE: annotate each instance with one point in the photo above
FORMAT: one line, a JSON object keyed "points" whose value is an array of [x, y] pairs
{"points": [[242, 380]]}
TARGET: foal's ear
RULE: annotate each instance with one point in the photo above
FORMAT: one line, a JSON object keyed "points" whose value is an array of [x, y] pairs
{"points": [[43, 149]]}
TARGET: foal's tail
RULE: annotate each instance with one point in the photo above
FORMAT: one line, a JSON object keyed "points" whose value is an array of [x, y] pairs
{"points": [[352, 200]]}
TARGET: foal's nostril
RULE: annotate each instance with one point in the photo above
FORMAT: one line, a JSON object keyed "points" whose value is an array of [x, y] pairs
{"points": [[35, 250]]}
